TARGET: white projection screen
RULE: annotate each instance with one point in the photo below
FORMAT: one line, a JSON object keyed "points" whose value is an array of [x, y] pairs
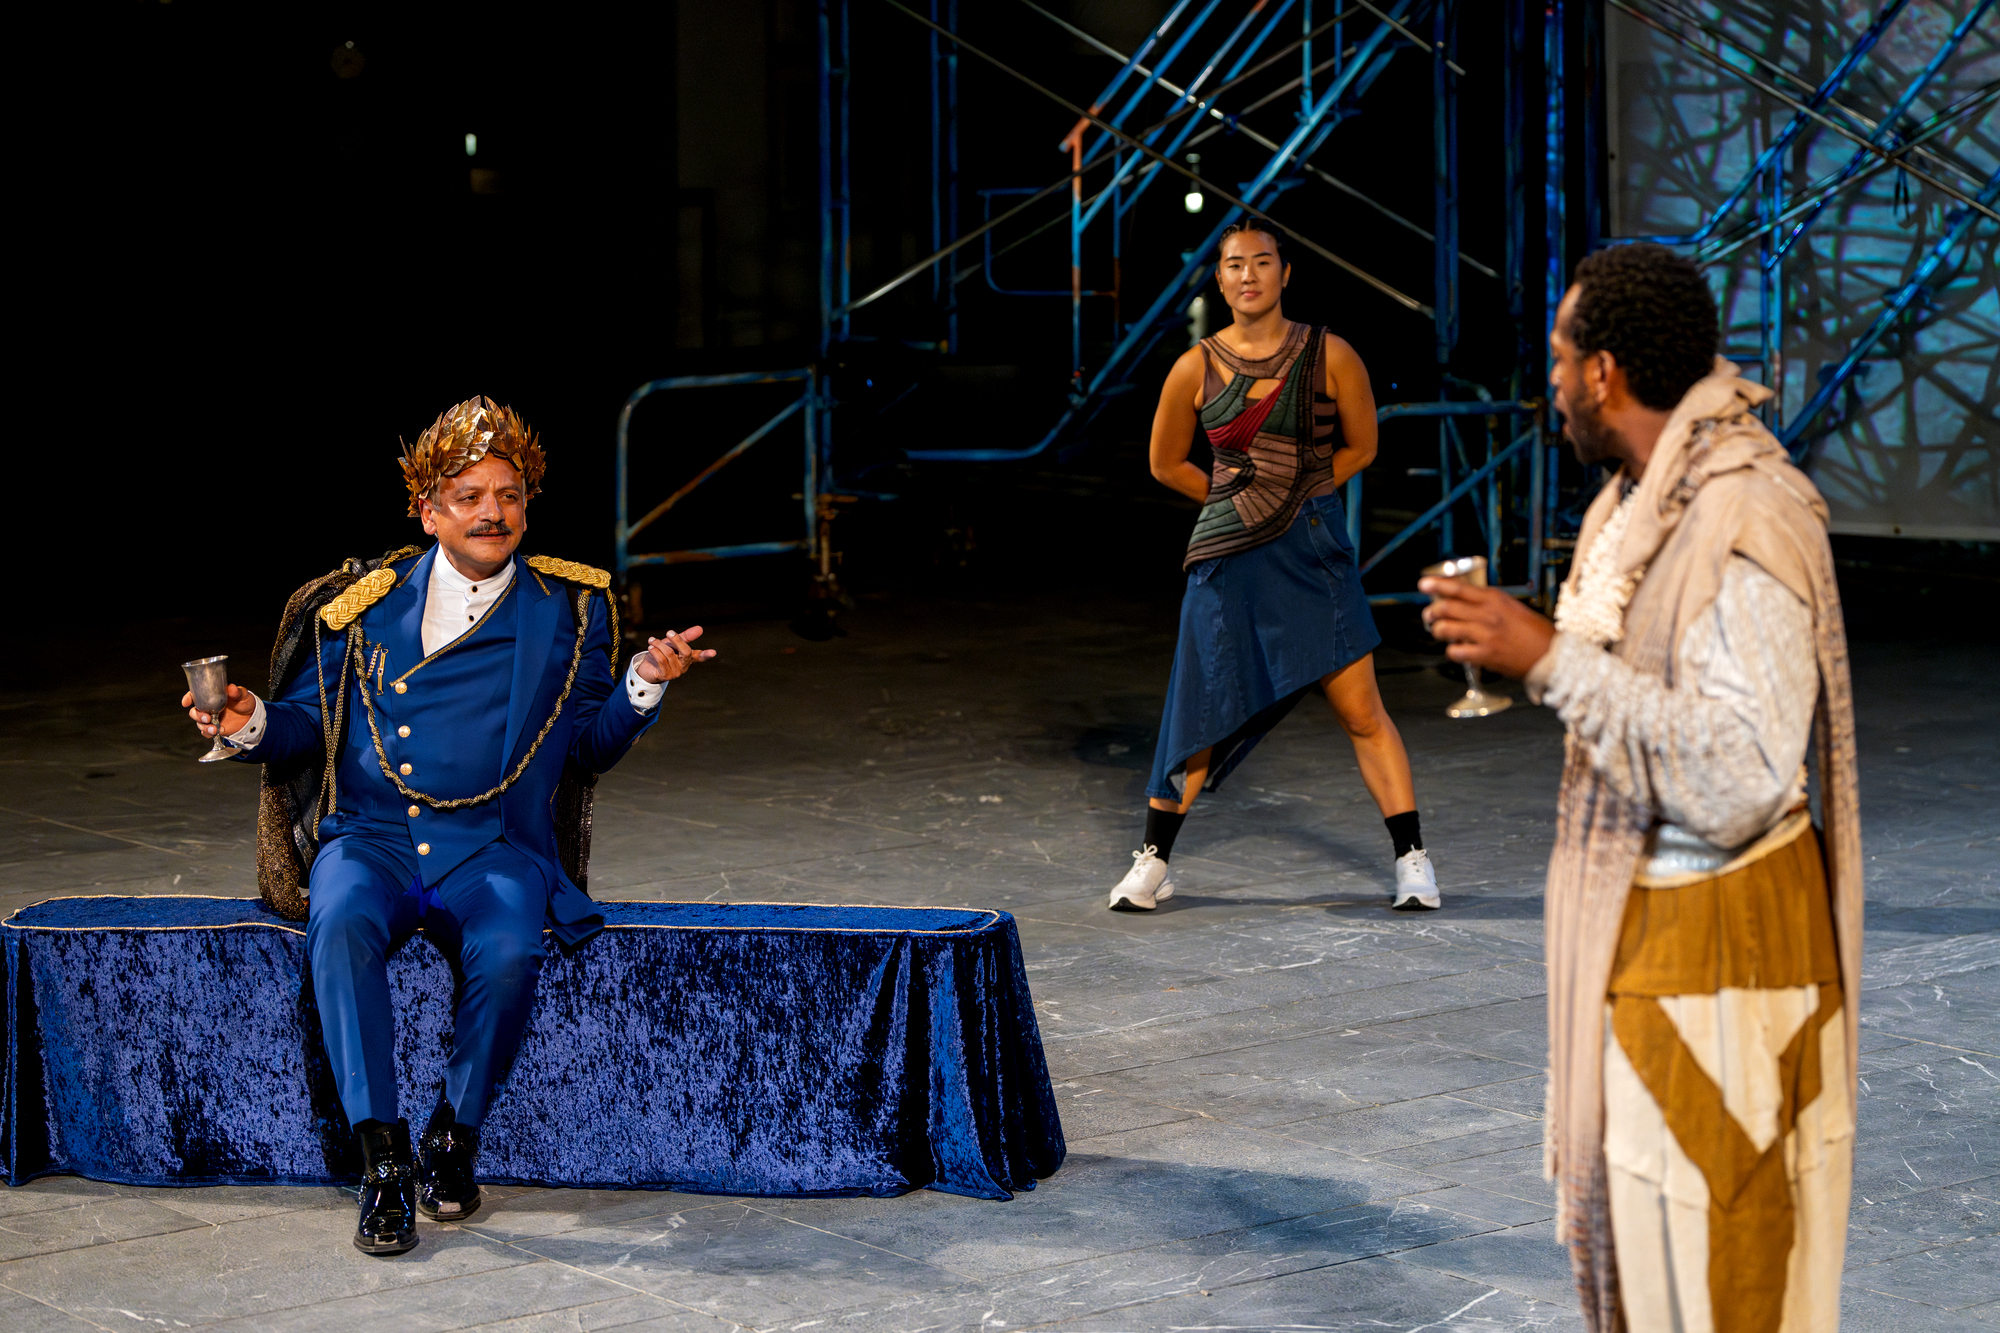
{"points": [[1908, 447]]}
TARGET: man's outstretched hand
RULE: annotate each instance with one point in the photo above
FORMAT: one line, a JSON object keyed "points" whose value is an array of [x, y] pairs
{"points": [[242, 706], [1485, 626], [670, 657]]}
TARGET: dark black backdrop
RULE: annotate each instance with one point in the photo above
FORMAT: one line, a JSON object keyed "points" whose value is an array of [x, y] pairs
{"points": [[252, 274]]}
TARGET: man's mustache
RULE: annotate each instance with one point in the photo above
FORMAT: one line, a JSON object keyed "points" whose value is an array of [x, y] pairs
{"points": [[491, 530]]}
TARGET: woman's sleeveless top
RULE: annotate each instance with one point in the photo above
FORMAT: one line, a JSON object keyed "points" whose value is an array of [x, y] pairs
{"points": [[1271, 453]]}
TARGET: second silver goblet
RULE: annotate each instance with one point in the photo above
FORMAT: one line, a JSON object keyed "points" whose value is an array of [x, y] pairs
{"points": [[1476, 702]]}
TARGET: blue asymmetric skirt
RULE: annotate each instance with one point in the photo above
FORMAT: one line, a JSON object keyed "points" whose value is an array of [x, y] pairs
{"points": [[1258, 630]]}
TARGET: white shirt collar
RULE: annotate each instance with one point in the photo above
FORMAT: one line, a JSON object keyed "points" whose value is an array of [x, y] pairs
{"points": [[444, 574]]}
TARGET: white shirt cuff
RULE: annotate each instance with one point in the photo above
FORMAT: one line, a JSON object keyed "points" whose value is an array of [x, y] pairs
{"points": [[1543, 672], [252, 731], [644, 694]]}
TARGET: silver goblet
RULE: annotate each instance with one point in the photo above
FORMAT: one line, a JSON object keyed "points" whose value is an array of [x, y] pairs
{"points": [[208, 682], [1475, 702]]}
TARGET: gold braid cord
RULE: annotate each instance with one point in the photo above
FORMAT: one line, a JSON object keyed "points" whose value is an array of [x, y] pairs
{"points": [[590, 576], [329, 725], [367, 590], [460, 802], [611, 606]]}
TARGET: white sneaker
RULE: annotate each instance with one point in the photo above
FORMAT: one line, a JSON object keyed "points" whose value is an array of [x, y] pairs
{"points": [[1146, 885], [1416, 883]]}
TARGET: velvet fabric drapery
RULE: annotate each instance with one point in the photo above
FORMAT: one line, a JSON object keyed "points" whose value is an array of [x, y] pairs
{"points": [[756, 1048]]}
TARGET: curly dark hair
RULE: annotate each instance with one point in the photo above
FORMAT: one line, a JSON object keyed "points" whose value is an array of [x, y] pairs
{"points": [[1651, 309]]}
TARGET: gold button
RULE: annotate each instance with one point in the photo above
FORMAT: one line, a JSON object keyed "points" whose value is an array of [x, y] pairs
{"points": [[406, 770], [404, 732], [423, 849], [415, 811], [401, 688]]}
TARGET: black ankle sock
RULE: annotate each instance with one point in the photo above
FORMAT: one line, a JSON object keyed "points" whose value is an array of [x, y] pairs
{"points": [[1162, 827], [1404, 831]]}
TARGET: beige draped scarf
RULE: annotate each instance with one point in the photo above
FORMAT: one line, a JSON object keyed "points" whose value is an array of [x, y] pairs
{"points": [[1717, 484]]}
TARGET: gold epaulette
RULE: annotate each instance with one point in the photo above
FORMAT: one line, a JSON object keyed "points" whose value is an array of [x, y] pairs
{"points": [[588, 575], [363, 593]]}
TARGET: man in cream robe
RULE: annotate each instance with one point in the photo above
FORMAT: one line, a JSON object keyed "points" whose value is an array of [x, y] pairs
{"points": [[1703, 935]]}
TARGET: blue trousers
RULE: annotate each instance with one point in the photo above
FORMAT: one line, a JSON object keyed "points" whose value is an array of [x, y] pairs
{"points": [[487, 916]]}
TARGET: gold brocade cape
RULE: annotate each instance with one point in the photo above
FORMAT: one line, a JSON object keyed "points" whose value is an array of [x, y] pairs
{"points": [[1717, 484], [291, 795]]}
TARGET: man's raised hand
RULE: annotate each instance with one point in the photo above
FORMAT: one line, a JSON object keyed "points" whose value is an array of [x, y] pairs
{"points": [[669, 658], [1485, 626], [242, 706]]}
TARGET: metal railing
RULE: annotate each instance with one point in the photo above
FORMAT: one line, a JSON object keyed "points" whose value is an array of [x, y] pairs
{"points": [[1485, 478], [808, 405]]}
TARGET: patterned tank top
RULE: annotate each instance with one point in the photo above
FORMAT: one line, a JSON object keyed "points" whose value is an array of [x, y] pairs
{"points": [[1271, 453]]}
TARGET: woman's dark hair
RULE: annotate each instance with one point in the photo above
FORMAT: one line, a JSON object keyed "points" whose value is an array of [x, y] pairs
{"points": [[1252, 224], [1651, 309]]}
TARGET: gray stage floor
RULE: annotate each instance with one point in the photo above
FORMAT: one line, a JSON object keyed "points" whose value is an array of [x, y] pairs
{"points": [[1287, 1107]]}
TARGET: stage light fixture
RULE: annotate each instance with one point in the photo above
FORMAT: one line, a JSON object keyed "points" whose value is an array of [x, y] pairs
{"points": [[1194, 201], [472, 145], [348, 60]]}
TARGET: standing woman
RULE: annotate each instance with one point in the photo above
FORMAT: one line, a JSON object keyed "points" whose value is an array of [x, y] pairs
{"points": [[1274, 606]]}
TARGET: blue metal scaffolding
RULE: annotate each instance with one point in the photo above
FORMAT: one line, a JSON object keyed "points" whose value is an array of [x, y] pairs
{"points": [[1207, 64], [1780, 220], [1173, 92]]}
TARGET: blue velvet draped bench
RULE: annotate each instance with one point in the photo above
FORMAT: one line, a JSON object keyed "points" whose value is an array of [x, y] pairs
{"points": [[751, 1048]]}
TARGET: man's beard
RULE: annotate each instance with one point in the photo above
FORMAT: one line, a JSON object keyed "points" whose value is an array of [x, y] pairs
{"points": [[1592, 440]]}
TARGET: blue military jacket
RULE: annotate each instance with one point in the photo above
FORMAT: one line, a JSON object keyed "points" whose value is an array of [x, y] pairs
{"points": [[457, 722]]}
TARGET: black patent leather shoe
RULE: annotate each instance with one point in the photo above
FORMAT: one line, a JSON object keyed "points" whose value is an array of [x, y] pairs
{"points": [[388, 1222], [446, 1191]]}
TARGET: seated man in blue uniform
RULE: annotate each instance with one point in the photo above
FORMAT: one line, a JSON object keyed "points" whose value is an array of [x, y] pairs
{"points": [[468, 677]]}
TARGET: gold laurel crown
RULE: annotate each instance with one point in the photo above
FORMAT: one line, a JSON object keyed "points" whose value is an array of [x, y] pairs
{"points": [[588, 575], [363, 593], [461, 437]]}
